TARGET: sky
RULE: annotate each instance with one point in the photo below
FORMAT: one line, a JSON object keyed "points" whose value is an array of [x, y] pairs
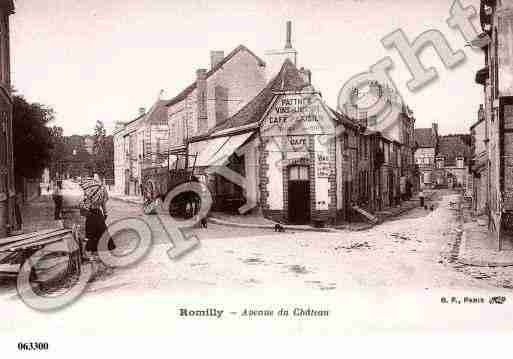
{"points": [[102, 60]]}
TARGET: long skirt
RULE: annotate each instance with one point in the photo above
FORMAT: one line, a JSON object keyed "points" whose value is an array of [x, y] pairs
{"points": [[95, 226]]}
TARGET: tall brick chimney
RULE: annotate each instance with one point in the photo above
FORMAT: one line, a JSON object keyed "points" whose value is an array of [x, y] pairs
{"points": [[119, 125], [275, 58], [215, 58], [481, 113], [288, 41], [434, 127], [201, 92]]}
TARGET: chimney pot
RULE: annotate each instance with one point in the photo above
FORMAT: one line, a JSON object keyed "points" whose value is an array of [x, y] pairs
{"points": [[119, 124], [434, 127], [215, 58], [288, 43], [142, 110], [481, 112], [201, 74], [201, 87]]}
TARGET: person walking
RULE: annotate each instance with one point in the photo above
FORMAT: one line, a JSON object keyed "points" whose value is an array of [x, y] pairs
{"points": [[421, 198], [94, 207], [57, 199]]}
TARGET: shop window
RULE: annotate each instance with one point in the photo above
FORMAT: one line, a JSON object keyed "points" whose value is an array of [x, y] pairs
{"points": [[298, 173]]}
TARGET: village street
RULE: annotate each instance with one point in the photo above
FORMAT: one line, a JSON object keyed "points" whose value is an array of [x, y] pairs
{"points": [[401, 265], [411, 251]]}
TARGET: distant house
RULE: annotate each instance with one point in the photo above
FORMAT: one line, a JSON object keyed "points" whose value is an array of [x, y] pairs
{"points": [[426, 140], [452, 161], [480, 163], [138, 144]]}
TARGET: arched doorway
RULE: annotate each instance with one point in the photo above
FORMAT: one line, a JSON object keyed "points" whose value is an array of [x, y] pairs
{"points": [[299, 194]]}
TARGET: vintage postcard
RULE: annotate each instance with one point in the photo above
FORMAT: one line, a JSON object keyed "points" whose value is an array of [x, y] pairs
{"points": [[174, 168]]}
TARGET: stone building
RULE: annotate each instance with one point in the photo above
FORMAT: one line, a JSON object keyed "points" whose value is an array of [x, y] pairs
{"points": [[139, 144], [280, 143], [452, 161], [496, 77], [263, 139], [479, 164], [215, 95], [7, 190], [443, 161], [296, 160], [426, 140]]}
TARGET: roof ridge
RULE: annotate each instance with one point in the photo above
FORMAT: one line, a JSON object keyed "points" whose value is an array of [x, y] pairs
{"points": [[269, 87], [269, 84], [187, 90]]}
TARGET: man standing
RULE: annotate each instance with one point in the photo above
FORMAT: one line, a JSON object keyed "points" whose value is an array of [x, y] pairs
{"points": [[421, 197], [57, 199]]}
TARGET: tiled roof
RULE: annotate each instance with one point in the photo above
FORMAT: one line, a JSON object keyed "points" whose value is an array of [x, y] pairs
{"points": [[343, 118], [288, 79], [453, 146], [157, 114], [188, 90], [424, 137]]}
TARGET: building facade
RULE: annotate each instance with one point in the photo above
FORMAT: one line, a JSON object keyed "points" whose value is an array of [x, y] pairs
{"points": [[262, 139], [294, 159], [479, 164], [139, 144], [217, 94], [452, 161], [426, 140], [7, 190], [496, 77]]}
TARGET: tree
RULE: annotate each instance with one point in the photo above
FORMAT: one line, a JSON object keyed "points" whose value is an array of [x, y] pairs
{"points": [[58, 151], [32, 138], [103, 151]]}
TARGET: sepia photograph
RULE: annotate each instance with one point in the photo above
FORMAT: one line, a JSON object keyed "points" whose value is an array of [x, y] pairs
{"points": [[240, 168]]}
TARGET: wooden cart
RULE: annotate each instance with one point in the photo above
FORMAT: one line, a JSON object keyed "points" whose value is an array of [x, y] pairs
{"points": [[15, 250]]}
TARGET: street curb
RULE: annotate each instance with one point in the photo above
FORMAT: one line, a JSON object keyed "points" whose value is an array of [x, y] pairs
{"points": [[287, 227], [267, 226], [360, 229], [125, 200], [478, 263]]}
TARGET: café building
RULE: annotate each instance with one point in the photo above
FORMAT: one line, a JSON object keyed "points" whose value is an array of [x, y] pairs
{"points": [[281, 155]]}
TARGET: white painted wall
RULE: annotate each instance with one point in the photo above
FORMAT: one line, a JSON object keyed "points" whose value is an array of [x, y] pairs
{"points": [[275, 185], [322, 185], [251, 169], [339, 173]]}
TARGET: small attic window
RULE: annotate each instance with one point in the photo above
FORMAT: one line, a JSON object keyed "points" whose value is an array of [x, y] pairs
{"points": [[440, 162]]}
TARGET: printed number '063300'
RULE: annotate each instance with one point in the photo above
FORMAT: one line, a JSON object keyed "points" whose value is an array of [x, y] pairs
{"points": [[30, 346]]}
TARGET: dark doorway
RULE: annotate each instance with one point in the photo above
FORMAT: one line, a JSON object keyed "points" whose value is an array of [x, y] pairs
{"points": [[127, 182], [299, 195]]}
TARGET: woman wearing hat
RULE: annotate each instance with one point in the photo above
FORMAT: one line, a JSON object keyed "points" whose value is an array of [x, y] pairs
{"points": [[94, 208]]}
